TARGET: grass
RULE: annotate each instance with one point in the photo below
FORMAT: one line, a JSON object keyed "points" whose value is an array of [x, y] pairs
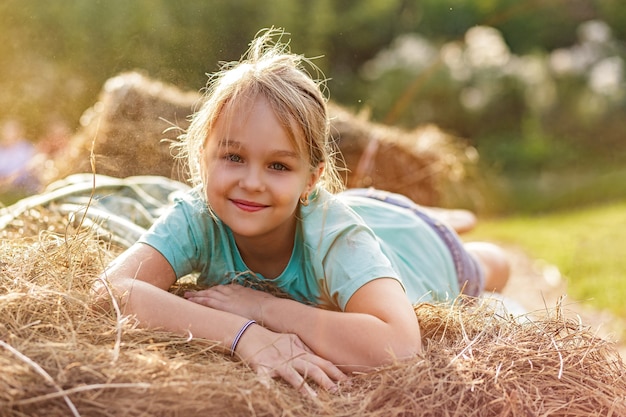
{"points": [[587, 245], [553, 190]]}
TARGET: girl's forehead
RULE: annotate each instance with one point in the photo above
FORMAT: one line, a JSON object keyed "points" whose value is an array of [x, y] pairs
{"points": [[235, 113], [232, 115]]}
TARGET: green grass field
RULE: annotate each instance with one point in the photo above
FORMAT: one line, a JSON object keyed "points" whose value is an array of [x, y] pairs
{"points": [[587, 245]]}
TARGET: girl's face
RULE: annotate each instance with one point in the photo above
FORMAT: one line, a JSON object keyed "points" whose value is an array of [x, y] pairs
{"points": [[254, 177]]}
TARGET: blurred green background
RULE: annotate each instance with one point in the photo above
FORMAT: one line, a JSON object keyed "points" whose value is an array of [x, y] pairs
{"points": [[537, 87]]}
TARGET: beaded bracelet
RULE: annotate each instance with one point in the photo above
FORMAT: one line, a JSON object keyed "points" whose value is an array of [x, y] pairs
{"points": [[238, 336]]}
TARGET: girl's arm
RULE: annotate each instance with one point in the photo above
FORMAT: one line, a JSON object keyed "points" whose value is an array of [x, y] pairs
{"points": [[378, 325], [140, 278]]}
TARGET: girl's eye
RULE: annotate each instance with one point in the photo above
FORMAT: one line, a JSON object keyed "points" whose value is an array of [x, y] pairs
{"points": [[278, 166], [232, 157]]}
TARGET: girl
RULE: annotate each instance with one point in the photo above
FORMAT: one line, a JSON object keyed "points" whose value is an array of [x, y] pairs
{"points": [[265, 210]]}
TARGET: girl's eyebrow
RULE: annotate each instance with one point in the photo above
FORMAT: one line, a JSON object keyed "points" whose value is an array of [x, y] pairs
{"points": [[229, 143], [285, 153]]}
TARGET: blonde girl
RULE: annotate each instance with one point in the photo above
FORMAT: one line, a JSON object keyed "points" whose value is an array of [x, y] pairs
{"points": [[267, 211]]}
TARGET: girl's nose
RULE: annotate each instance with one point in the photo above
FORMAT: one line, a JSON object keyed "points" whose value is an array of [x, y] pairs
{"points": [[252, 180]]}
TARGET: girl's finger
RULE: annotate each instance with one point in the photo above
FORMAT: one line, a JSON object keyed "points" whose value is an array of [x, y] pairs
{"points": [[326, 366], [333, 372], [323, 372], [264, 376], [293, 377], [289, 374]]}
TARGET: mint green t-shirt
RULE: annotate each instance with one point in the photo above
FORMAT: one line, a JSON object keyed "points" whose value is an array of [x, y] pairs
{"points": [[341, 243]]}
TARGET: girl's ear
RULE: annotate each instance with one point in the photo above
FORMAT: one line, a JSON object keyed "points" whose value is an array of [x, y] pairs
{"points": [[315, 176]]}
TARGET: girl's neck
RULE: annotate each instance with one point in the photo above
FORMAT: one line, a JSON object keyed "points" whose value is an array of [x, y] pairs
{"points": [[267, 255]]}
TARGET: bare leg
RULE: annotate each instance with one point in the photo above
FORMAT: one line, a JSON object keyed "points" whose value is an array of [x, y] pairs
{"points": [[495, 263]]}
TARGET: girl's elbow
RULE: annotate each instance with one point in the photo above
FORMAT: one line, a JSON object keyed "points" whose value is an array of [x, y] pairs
{"points": [[408, 341], [408, 348], [392, 354], [401, 347], [106, 292]]}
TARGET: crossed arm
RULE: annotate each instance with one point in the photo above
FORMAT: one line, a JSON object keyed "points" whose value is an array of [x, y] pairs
{"points": [[292, 341], [376, 327]]}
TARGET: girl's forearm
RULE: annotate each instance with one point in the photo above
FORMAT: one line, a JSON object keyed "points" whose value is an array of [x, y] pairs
{"points": [[159, 309], [266, 352], [353, 341]]}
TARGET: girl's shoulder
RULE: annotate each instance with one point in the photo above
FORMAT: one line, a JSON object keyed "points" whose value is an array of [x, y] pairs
{"points": [[188, 209], [190, 200], [328, 206], [328, 216]]}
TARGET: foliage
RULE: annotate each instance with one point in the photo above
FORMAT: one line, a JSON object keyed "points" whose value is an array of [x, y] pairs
{"points": [[62, 52], [524, 112]]}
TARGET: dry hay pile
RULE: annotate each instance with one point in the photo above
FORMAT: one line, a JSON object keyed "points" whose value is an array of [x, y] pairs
{"points": [[130, 129], [59, 357]]}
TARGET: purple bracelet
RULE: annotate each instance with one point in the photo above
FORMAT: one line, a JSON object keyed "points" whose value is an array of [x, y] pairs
{"points": [[238, 336]]}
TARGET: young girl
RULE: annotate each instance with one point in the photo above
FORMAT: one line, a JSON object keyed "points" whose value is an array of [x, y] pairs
{"points": [[266, 210]]}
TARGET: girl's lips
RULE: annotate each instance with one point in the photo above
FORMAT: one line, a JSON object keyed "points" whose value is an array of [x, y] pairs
{"points": [[249, 206]]}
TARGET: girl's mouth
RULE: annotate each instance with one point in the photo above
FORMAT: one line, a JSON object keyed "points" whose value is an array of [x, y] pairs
{"points": [[249, 206]]}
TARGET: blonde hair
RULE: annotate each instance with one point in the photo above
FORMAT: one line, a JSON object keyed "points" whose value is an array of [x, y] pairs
{"points": [[270, 69]]}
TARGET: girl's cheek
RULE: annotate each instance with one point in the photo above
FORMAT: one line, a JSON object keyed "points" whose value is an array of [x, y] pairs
{"points": [[210, 165]]}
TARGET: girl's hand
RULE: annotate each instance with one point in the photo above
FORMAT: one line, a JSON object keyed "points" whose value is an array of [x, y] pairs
{"points": [[234, 298], [273, 355]]}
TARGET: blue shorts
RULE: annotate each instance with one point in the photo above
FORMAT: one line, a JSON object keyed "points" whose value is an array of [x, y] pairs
{"points": [[470, 275]]}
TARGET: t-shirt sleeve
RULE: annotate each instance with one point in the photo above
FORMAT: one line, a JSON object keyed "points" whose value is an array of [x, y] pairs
{"points": [[175, 236], [349, 251], [354, 259]]}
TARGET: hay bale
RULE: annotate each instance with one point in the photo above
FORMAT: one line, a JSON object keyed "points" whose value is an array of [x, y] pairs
{"points": [[128, 132], [129, 129], [59, 357], [424, 164]]}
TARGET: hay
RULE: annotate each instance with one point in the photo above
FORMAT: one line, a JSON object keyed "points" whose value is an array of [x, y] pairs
{"points": [[129, 130], [59, 357], [425, 164]]}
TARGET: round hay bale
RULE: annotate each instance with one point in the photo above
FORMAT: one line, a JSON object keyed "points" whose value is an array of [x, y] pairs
{"points": [[422, 164], [130, 128], [61, 357]]}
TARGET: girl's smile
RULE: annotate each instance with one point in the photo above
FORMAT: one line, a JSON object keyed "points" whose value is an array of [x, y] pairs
{"points": [[249, 206]]}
